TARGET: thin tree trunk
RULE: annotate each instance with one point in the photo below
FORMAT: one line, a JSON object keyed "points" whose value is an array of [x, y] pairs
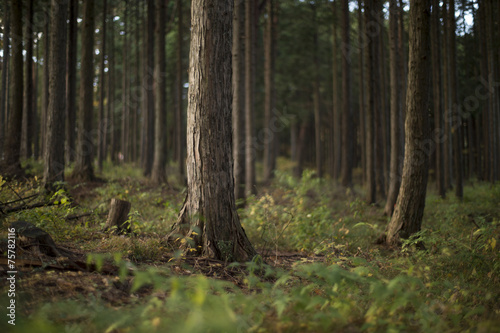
{"points": [[250, 152], [269, 140], [12, 145], [396, 147], [71, 81], [209, 207], [125, 121], [347, 122], [446, 102], [54, 151], [158, 174], [456, 121], [28, 116], [113, 131], [361, 84], [36, 119], [316, 100], [407, 218], [149, 112], [336, 115], [238, 100], [84, 170], [101, 127], [45, 79], [179, 128], [5, 72]]}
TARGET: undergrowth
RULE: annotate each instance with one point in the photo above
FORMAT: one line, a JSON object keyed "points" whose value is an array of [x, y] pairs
{"points": [[340, 282]]}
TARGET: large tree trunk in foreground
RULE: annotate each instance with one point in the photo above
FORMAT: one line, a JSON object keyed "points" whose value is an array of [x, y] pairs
{"points": [[209, 209], [158, 174], [396, 144], [407, 218], [12, 145], [85, 150], [54, 149]]}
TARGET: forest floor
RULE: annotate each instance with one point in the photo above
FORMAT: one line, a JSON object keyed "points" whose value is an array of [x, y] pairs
{"points": [[319, 269]]}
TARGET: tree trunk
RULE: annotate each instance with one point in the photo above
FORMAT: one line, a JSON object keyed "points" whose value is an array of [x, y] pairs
{"points": [[117, 220], [113, 139], [316, 99], [158, 174], [71, 81], [12, 145], [362, 108], [347, 122], [179, 121], [101, 127], [396, 147], [5, 72], [438, 113], [336, 115], [446, 102], [84, 170], [54, 151], [456, 121], [269, 69], [45, 80], [370, 106], [238, 100], [209, 208], [125, 120], [28, 116], [149, 134], [407, 218], [250, 152]]}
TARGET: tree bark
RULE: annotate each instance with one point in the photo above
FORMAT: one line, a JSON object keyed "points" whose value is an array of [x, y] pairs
{"points": [[250, 152], [45, 80], [28, 116], [118, 217], [209, 208], [5, 74], [407, 218], [179, 119], [54, 151], [336, 114], [149, 129], [113, 138], [101, 127], [71, 81], [12, 145], [238, 100], [347, 122], [158, 174], [316, 99], [84, 170], [447, 146], [396, 146]]}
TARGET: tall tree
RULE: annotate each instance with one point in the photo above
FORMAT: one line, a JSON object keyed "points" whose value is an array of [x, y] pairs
{"points": [[101, 127], [114, 138], [149, 114], [436, 92], [71, 81], [316, 97], [158, 174], [456, 120], [270, 100], [250, 152], [12, 145], [347, 122], [45, 79], [125, 119], [209, 208], [238, 99], [179, 128], [5, 73], [84, 169], [370, 105], [407, 217], [28, 115], [53, 171], [447, 146], [336, 114], [362, 108], [395, 83]]}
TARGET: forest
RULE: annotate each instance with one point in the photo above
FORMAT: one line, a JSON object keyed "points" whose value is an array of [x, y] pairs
{"points": [[249, 166]]}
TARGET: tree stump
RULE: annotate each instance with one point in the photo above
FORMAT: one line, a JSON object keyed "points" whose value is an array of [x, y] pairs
{"points": [[117, 220]]}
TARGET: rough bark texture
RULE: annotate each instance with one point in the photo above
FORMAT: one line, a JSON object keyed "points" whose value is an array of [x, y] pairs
{"points": [[446, 103], [362, 107], [45, 79], [12, 145], [179, 119], [84, 170], [407, 218], [118, 217], [250, 152], [347, 122], [316, 100], [337, 115], [54, 149], [436, 81], [370, 105], [149, 129], [158, 174], [238, 100], [71, 81], [396, 146], [125, 128], [28, 115], [209, 208]]}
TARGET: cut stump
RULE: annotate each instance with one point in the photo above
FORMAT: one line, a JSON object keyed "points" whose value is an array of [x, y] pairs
{"points": [[118, 217]]}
